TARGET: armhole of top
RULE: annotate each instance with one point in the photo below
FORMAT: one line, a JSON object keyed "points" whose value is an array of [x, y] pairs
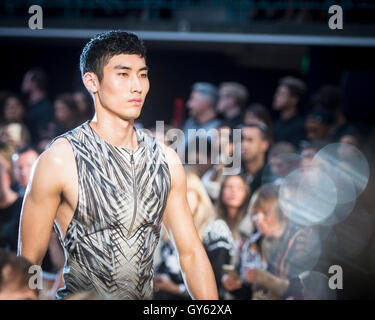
{"points": [[63, 238]]}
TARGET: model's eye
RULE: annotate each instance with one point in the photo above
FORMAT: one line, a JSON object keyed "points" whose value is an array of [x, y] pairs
{"points": [[123, 74], [144, 75]]}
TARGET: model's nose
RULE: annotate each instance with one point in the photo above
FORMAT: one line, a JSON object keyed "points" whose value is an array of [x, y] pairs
{"points": [[136, 84]]}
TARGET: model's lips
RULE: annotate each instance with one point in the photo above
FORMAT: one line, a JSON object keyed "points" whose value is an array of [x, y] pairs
{"points": [[136, 102]]}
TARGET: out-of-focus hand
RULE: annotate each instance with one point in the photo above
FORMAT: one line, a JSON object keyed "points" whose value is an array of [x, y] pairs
{"points": [[255, 276], [164, 284], [230, 283]]}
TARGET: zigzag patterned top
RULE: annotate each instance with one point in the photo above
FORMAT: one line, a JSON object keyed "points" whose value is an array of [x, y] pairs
{"points": [[122, 193]]}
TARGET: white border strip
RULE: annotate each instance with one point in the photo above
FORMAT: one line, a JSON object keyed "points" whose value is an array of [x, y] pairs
{"points": [[198, 37]]}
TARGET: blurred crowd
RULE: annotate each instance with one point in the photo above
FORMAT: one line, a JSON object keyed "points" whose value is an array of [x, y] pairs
{"points": [[300, 203]]}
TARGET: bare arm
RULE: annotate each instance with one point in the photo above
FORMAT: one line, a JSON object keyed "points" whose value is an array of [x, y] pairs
{"points": [[40, 205], [178, 220]]}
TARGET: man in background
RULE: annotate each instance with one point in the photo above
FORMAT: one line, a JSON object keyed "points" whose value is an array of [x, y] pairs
{"points": [[39, 110], [290, 125], [233, 98]]}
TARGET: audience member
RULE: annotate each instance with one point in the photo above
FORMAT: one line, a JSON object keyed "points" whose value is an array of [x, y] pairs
{"points": [[202, 111], [39, 109], [23, 160], [15, 277], [14, 109], [331, 98], [84, 105], [214, 234], [319, 124], [289, 126], [255, 144], [10, 209], [233, 98], [232, 202]]}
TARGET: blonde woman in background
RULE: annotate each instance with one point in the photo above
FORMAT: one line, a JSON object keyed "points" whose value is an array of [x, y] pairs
{"points": [[214, 234]]}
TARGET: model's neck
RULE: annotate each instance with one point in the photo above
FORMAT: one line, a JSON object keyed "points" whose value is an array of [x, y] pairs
{"points": [[115, 131], [255, 164]]}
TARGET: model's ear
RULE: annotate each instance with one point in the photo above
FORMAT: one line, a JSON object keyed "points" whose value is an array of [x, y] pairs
{"points": [[91, 82]]}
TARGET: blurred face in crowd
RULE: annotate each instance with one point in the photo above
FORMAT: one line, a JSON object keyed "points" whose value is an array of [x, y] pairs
{"points": [[279, 166], [80, 100], [266, 217], [222, 143], [197, 104], [23, 165], [316, 130], [123, 88], [193, 199], [28, 84], [13, 110], [226, 101], [347, 147], [307, 156], [234, 192], [252, 143], [283, 99], [63, 114], [14, 289]]}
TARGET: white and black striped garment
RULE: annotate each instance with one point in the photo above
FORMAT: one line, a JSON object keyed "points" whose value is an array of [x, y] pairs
{"points": [[110, 242]]}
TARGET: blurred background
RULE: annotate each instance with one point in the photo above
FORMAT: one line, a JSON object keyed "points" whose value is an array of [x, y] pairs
{"points": [[253, 42], [302, 93]]}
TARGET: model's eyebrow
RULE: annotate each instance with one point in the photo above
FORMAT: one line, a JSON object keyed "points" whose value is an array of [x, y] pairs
{"points": [[121, 67]]}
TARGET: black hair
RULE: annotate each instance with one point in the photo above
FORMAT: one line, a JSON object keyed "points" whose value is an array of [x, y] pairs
{"points": [[262, 127], [102, 47], [296, 87]]}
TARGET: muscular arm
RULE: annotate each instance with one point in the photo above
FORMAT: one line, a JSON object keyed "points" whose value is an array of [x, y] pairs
{"points": [[196, 268], [40, 204]]}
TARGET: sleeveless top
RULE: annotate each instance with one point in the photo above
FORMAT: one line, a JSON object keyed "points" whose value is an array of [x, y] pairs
{"points": [[109, 244]]}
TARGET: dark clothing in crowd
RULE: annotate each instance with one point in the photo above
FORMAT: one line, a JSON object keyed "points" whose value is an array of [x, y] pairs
{"points": [[248, 256], [37, 117], [291, 130], [287, 255], [218, 243], [9, 222], [346, 128], [262, 176]]}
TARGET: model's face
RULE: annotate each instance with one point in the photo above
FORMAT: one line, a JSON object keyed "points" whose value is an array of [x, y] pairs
{"points": [[124, 86], [234, 192], [252, 143]]}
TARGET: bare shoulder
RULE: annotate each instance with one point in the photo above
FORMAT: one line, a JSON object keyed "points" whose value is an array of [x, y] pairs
{"points": [[55, 160]]}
